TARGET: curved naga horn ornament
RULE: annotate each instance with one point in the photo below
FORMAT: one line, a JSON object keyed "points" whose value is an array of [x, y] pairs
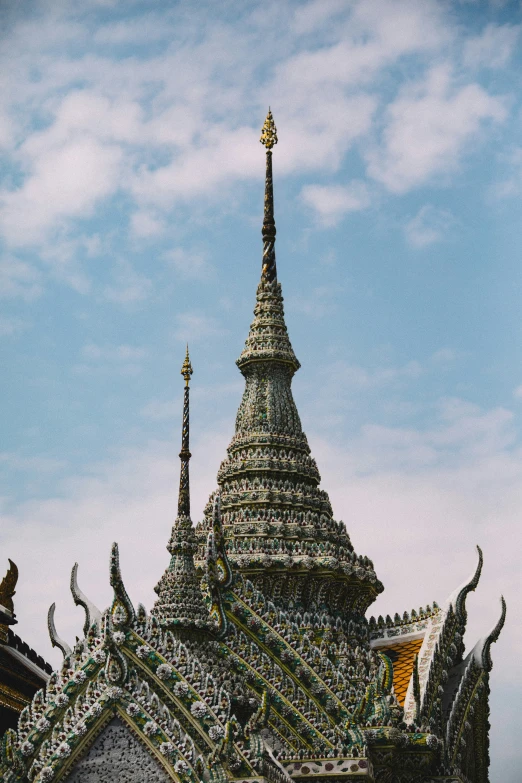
{"points": [[56, 641], [92, 613], [482, 650], [458, 598]]}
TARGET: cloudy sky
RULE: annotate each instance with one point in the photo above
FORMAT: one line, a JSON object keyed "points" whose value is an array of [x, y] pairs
{"points": [[130, 214]]}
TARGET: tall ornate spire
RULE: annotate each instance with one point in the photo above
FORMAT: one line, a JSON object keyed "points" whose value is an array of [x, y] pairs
{"points": [[269, 139], [278, 524], [180, 600]]}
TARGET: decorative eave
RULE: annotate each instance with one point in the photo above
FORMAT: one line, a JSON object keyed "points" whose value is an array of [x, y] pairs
{"points": [[409, 625], [25, 654]]}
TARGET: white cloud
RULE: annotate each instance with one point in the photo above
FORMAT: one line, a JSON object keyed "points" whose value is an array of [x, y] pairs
{"points": [[429, 225], [194, 326], [518, 392], [63, 257], [43, 465], [316, 303], [110, 353], [143, 224], [354, 377], [123, 359], [310, 16], [129, 287], [512, 184], [161, 410], [168, 125], [10, 326], [141, 30], [444, 356], [19, 279], [332, 202], [492, 48], [189, 265], [372, 36], [428, 127], [64, 182]]}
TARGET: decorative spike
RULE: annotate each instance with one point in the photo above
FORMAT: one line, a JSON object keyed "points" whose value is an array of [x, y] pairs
{"points": [[482, 650], [56, 641], [269, 139], [457, 600], [92, 613], [122, 610]]}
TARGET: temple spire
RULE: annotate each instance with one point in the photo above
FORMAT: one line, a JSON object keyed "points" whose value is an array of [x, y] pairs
{"points": [[269, 139], [185, 455], [273, 511], [180, 602]]}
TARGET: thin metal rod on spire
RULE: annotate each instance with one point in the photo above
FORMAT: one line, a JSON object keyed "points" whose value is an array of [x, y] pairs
{"points": [[268, 139], [185, 455]]}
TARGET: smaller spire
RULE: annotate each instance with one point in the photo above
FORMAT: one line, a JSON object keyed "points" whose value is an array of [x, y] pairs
{"points": [[180, 600], [269, 139]]}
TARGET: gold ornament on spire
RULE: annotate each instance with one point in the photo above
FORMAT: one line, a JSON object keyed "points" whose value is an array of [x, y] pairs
{"points": [[269, 132], [186, 369]]}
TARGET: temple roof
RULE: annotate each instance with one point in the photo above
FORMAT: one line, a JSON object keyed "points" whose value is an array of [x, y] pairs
{"points": [[267, 668]]}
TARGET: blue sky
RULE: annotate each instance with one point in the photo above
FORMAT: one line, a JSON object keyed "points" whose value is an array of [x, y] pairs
{"points": [[130, 215]]}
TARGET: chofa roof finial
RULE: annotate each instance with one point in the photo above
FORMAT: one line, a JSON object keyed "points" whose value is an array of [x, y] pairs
{"points": [[269, 139]]}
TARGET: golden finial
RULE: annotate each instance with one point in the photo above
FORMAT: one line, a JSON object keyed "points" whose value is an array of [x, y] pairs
{"points": [[269, 132], [186, 369]]}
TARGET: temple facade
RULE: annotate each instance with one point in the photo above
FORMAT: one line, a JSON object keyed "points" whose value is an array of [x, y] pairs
{"points": [[258, 661]]}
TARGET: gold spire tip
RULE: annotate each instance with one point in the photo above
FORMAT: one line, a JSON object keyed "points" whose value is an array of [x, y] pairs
{"points": [[186, 368], [269, 132]]}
